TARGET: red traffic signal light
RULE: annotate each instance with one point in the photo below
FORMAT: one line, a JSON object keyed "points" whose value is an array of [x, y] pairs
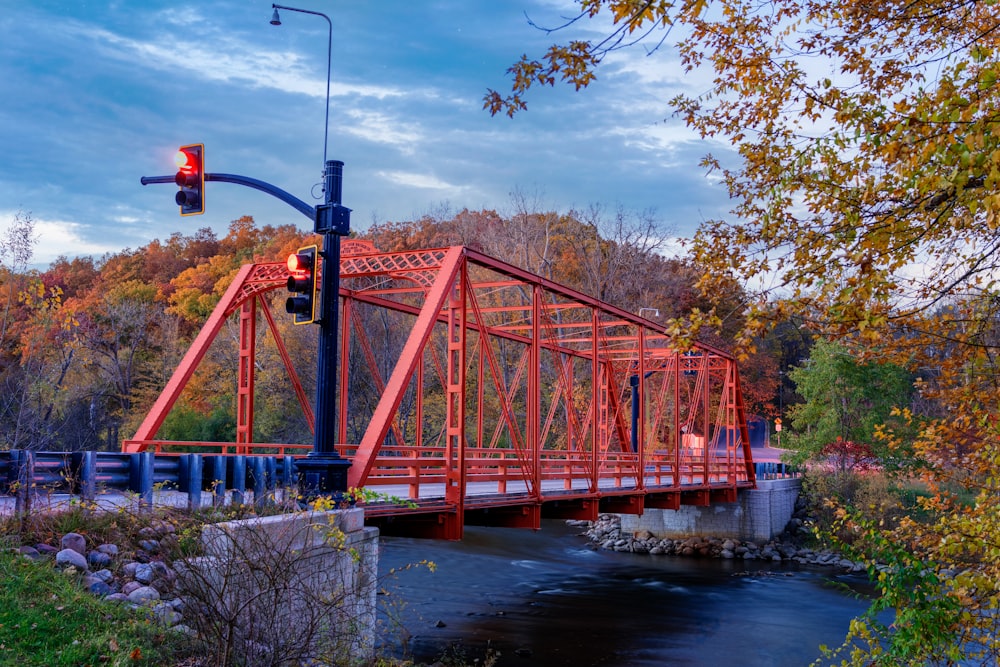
{"points": [[190, 179], [303, 269]]}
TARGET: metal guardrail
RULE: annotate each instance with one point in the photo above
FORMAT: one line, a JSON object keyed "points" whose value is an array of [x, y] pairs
{"points": [[26, 475], [774, 470]]}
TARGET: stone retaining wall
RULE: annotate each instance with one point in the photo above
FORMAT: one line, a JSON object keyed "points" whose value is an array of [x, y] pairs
{"points": [[758, 514]]}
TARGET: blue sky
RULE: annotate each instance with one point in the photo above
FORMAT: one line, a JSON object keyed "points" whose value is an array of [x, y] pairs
{"points": [[94, 95]]}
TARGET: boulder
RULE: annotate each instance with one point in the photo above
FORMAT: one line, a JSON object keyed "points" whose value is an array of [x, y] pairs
{"points": [[71, 557], [74, 541]]}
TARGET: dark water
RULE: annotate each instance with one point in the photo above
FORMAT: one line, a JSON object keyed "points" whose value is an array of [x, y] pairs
{"points": [[547, 598]]}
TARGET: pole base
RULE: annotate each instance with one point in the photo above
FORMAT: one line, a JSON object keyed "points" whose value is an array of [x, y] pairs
{"points": [[322, 476]]}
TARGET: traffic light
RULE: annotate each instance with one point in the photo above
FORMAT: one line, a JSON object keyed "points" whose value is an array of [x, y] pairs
{"points": [[191, 179], [303, 269]]}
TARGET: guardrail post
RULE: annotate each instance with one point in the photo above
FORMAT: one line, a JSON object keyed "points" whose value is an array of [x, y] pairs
{"points": [[85, 475], [191, 469], [287, 471], [141, 477], [259, 478], [22, 477], [218, 481], [238, 465], [271, 466]]}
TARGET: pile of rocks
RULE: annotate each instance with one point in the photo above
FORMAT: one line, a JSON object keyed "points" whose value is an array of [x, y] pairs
{"points": [[606, 533], [139, 577]]}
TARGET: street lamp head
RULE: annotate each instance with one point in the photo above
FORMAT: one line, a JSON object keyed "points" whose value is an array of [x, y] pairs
{"points": [[276, 20]]}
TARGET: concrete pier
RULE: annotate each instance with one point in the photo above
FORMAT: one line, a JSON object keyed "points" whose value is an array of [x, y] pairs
{"points": [[757, 515]]}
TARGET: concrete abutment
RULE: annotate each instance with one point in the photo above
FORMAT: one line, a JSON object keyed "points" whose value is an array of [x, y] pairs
{"points": [[757, 515]]}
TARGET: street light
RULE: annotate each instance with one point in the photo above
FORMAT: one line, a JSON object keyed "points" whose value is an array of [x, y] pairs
{"points": [[276, 20], [324, 471]]}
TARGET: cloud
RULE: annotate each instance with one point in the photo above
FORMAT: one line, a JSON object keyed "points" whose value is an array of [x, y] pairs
{"points": [[53, 237], [229, 60], [414, 180], [380, 128]]}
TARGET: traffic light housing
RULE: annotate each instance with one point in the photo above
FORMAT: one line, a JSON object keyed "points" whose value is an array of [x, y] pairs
{"points": [[303, 269], [190, 179]]}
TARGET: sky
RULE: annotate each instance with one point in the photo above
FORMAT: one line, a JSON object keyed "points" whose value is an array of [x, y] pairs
{"points": [[96, 94]]}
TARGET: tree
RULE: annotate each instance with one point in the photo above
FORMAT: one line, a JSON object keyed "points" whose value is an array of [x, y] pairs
{"points": [[864, 190], [844, 403]]}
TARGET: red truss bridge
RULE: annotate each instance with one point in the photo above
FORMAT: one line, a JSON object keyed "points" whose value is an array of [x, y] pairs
{"points": [[483, 393]]}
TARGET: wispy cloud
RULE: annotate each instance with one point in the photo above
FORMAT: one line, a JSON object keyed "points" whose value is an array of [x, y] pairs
{"points": [[415, 180], [226, 60]]}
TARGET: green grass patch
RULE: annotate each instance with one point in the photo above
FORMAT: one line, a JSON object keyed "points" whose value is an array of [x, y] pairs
{"points": [[47, 619]]}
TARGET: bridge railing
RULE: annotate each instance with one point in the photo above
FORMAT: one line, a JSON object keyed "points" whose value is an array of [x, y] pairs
{"points": [[426, 465]]}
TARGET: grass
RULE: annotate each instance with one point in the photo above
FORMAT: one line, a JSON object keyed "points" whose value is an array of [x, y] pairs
{"points": [[47, 619]]}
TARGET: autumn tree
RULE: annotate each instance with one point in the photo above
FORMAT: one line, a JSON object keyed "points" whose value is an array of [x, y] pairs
{"points": [[867, 161]]}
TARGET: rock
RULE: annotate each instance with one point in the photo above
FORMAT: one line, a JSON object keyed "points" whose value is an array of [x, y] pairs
{"points": [[728, 545], [152, 546], [46, 549], [143, 595], [96, 586], [117, 597], [130, 587], [74, 541], [71, 557], [726, 553], [129, 569], [30, 552], [166, 615], [98, 559], [184, 630], [440, 624], [104, 575], [109, 549], [144, 573]]}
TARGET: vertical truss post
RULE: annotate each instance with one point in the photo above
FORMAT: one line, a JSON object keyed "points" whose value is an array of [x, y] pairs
{"points": [[640, 473], [245, 376], [534, 397], [678, 440], [598, 411], [345, 368], [455, 473]]}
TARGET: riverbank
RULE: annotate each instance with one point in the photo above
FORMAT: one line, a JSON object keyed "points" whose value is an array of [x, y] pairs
{"points": [[606, 533]]}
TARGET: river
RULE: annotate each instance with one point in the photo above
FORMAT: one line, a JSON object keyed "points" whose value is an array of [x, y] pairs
{"points": [[548, 598]]}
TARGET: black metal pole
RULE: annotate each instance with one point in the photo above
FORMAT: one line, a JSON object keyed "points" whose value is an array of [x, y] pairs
{"points": [[326, 371], [324, 471]]}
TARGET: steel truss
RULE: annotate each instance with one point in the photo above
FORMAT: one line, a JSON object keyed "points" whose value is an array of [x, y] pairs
{"points": [[485, 394]]}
